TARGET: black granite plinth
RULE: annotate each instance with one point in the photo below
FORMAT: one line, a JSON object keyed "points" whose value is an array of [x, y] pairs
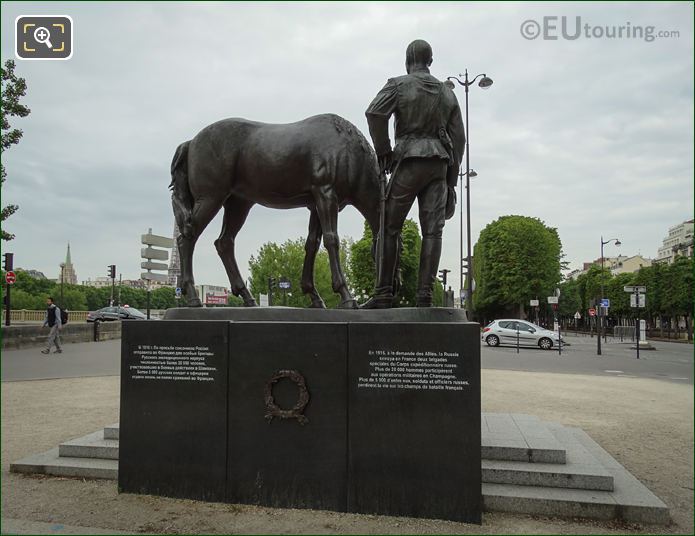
{"points": [[359, 411], [414, 425], [173, 426], [294, 314], [294, 459]]}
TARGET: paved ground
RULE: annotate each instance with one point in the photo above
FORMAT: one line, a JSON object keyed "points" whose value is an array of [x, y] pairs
{"points": [[646, 424], [77, 360], [671, 361]]}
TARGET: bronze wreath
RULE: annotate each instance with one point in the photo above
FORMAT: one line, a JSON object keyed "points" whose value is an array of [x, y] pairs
{"points": [[297, 412]]}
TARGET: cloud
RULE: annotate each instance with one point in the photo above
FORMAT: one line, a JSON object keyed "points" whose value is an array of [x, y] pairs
{"points": [[593, 136]]}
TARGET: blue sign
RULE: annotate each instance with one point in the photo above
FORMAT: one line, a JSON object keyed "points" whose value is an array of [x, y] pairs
{"points": [[178, 292], [605, 302]]}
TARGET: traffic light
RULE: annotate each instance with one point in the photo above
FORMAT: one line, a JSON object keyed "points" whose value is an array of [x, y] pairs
{"points": [[272, 284], [442, 278], [9, 262], [112, 271]]}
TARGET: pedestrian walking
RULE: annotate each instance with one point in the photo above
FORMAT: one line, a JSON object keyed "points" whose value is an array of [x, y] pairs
{"points": [[53, 321]]}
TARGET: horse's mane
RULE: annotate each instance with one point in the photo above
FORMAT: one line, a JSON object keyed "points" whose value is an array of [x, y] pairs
{"points": [[342, 125]]}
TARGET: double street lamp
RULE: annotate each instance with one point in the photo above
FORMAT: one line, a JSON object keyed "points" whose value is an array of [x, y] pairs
{"points": [[601, 314], [484, 83]]}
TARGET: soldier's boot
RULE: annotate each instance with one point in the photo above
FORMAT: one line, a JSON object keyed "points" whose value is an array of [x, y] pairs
{"points": [[429, 262], [383, 294]]}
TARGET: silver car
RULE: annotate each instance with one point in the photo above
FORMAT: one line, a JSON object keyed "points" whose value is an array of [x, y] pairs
{"points": [[508, 331]]}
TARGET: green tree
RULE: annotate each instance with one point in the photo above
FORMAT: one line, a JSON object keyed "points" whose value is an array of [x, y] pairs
{"points": [[678, 294], [516, 259], [13, 89], [619, 299], [286, 261], [162, 298], [73, 298], [570, 301], [21, 299], [362, 270]]}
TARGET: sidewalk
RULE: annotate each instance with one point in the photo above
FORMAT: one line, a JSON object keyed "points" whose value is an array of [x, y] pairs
{"points": [[647, 425]]}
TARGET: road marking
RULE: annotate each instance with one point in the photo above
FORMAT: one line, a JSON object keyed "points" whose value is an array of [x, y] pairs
{"points": [[680, 378], [615, 371]]}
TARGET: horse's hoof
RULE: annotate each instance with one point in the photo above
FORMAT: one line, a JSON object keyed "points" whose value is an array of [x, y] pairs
{"points": [[250, 303], [195, 303], [349, 304], [318, 304]]}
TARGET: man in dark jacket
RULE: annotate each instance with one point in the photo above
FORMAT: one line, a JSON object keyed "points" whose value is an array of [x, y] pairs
{"points": [[53, 321], [424, 164]]}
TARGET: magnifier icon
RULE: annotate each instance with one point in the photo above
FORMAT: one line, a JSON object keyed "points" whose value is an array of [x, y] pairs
{"points": [[42, 35]]}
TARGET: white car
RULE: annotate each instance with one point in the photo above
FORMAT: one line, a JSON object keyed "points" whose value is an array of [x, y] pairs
{"points": [[508, 331]]}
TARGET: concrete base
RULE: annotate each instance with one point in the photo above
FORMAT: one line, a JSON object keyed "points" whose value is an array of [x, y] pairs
{"points": [[643, 345], [589, 482]]}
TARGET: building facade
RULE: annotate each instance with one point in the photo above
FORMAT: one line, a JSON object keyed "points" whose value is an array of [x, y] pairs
{"points": [[679, 242]]}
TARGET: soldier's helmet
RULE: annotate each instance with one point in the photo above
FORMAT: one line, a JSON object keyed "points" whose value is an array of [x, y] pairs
{"points": [[419, 52]]}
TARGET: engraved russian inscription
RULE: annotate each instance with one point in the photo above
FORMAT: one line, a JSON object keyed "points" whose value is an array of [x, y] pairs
{"points": [[173, 363]]}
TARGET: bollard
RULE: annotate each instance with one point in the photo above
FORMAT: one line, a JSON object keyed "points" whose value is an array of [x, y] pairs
{"points": [[96, 331]]}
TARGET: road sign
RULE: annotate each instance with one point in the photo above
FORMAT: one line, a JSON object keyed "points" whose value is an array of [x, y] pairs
{"points": [[10, 277], [638, 288], [642, 300], [284, 284], [552, 299], [154, 266], [150, 276], [577, 316], [156, 254], [592, 312], [605, 302], [178, 292], [156, 240], [534, 303]]}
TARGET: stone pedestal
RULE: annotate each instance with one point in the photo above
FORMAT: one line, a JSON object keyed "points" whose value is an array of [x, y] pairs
{"points": [[373, 412]]}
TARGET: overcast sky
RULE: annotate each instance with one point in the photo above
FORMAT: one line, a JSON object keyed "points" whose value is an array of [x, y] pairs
{"points": [[594, 136]]}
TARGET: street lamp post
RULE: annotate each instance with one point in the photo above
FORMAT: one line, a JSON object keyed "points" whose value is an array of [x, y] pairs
{"points": [[601, 329], [485, 83], [469, 175], [62, 278]]}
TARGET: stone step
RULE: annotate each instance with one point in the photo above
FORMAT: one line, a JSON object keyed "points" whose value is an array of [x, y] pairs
{"points": [[608, 491], [509, 443], [519, 438], [50, 463], [111, 431], [551, 475], [90, 446]]}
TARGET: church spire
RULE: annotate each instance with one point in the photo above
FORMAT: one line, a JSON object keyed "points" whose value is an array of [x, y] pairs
{"points": [[68, 261]]}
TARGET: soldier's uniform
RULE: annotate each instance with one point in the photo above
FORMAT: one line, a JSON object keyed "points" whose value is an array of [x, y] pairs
{"points": [[429, 146]]}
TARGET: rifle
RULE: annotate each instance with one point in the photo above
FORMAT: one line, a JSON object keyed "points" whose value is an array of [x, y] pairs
{"points": [[382, 219]]}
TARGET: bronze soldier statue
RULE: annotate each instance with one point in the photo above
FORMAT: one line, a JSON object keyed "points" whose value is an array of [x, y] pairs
{"points": [[429, 147]]}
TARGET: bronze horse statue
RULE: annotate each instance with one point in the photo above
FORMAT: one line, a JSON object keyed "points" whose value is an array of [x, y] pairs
{"points": [[322, 163]]}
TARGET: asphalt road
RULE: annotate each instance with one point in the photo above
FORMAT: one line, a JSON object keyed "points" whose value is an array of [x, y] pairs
{"points": [[670, 361]]}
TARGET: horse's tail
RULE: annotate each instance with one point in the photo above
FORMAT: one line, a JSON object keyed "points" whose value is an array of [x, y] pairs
{"points": [[181, 197]]}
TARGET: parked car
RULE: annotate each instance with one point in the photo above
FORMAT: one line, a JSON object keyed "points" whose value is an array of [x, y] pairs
{"points": [[107, 314], [506, 331]]}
